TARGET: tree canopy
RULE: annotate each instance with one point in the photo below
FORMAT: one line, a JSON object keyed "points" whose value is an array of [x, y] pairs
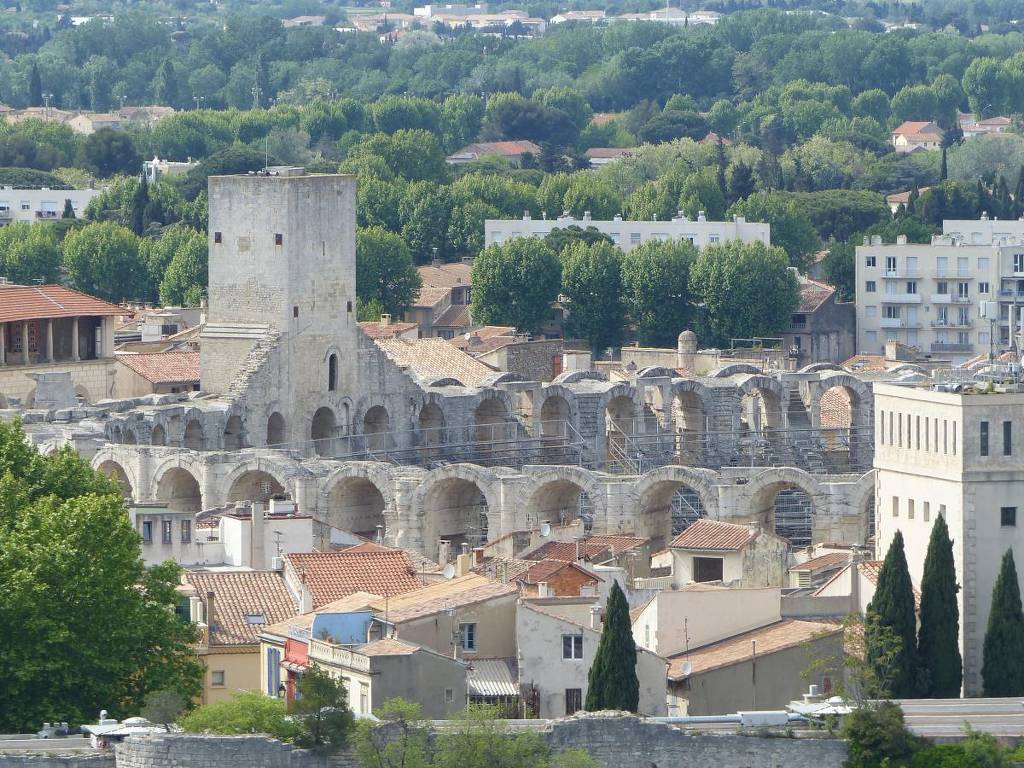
{"points": [[893, 607], [612, 682], [515, 283], [1002, 669], [938, 640]]}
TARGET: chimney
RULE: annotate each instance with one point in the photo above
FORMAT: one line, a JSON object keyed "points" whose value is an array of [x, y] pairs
{"points": [[305, 597], [901, 239], [385, 320], [463, 563], [701, 216], [209, 617], [579, 550], [595, 617], [257, 551], [444, 551]]}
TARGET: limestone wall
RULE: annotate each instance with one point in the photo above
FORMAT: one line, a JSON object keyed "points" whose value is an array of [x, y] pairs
{"points": [[87, 760], [194, 751]]}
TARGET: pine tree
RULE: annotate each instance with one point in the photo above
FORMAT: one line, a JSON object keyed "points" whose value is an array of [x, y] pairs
{"points": [[35, 88], [1002, 670], [943, 169], [939, 637], [612, 682], [138, 207], [721, 162], [893, 607], [165, 84], [741, 185], [69, 210]]}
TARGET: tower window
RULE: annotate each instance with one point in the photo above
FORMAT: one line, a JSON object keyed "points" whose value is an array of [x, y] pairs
{"points": [[295, 311], [278, 239], [217, 237], [350, 306], [332, 373]]}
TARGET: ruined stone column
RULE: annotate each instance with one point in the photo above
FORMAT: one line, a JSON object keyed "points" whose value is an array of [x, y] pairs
{"points": [[24, 343], [49, 340], [74, 339]]}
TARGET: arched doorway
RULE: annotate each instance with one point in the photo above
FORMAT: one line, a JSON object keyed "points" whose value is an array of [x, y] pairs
{"points": [[455, 510], [793, 516], [667, 508], [275, 429], [376, 429], [560, 502], [180, 490], [836, 421], [129, 436], [490, 421], [430, 427], [356, 505], [233, 439], [554, 417], [255, 485], [323, 431], [193, 435], [689, 420], [760, 423], [158, 436], [116, 472]]}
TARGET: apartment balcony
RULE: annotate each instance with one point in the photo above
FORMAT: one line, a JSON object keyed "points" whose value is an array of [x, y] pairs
{"points": [[901, 274], [943, 347], [5, 214], [1009, 293], [47, 214], [901, 298], [898, 322], [955, 323]]}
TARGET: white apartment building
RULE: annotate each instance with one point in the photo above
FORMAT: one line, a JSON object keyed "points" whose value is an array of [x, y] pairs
{"points": [[931, 296], [959, 456], [985, 231], [629, 234], [41, 204]]}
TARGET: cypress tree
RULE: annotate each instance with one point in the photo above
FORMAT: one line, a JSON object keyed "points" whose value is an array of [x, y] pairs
{"points": [[612, 682], [892, 611], [938, 639], [721, 162], [944, 168], [1002, 669], [138, 207], [69, 210], [35, 88]]}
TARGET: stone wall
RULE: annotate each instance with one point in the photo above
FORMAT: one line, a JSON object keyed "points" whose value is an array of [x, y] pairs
{"points": [[86, 760], [194, 751]]}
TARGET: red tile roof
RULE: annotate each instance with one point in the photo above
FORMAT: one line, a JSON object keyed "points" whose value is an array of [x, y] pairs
{"points": [[813, 294], [261, 595], [714, 535], [618, 542], [387, 647], [737, 649], [36, 302], [545, 569], [434, 359], [918, 128], [446, 275], [566, 551], [430, 295], [503, 148], [333, 575], [377, 330], [456, 316], [163, 367], [599, 153], [823, 562]]}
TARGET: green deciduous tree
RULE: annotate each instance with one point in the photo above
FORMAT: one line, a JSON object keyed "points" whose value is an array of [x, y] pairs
{"points": [[592, 281], [612, 682], [747, 290], [137, 210], [184, 281], [425, 213], [893, 607], [102, 259], [477, 739], [938, 639], [514, 284], [878, 738], [1002, 669], [245, 712], [840, 270], [83, 626], [321, 710], [412, 154], [385, 271], [107, 152], [29, 253], [792, 229], [403, 743], [656, 290]]}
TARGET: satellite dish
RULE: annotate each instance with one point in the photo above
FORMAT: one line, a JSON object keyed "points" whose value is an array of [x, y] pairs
{"points": [[687, 668], [449, 571], [545, 529]]}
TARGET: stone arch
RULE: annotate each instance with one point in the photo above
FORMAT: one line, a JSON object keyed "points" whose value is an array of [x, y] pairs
{"points": [[82, 394], [116, 471], [732, 369], [655, 372], [128, 436], [276, 434], [322, 431], [762, 405], [193, 436], [662, 504], [234, 433], [862, 501], [179, 488], [763, 493], [255, 485], [355, 499], [620, 414], [492, 419], [332, 372], [377, 428], [563, 495], [819, 367], [458, 495], [572, 377], [842, 409], [555, 416], [693, 408], [158, 435], [430, 425]]}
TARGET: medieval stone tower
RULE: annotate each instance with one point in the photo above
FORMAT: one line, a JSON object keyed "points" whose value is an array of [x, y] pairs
{"points": [[282, 317]]}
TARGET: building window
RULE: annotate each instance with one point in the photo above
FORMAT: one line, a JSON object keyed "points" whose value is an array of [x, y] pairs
{"points": [[1007, 438], [278, 239], [983, 438], [273, 671], [217, 678], [295, 312], [895, 506], [449, 695], [572, 646], [910, 509], [917, 432], [364, 698], [942, 287], [467, 635], [892, 312], [870, 311], [869, 261], [186, 531], [926, 511], [881, 429], [166, 531], [983, 288], [1018, 262], [147, 532], [1008, 517], [217, 237], [963, 290], [911, 286], [332, 373], [634, 237], [890, 265], [708, 568], [573, 700], [869, 286]]}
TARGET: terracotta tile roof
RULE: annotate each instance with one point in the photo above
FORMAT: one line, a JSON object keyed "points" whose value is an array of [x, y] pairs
{"points": [[712, 138], [429, 296], [508, 568], [334, 575], [380, 331], [504, 334], [452, 593], [163, 367], [734, 650], [871, 569], [503, 148], [634, 614], [446, 275], [566, 551], [918, 128], [865, 363], [388, 647], [36, 302], [813, 294], [599, 153], [237, 594], [714, 535], [903, 197], [434, 359], [545, 569], [603, 118], [354, 602], [456, 316], [619, 542], [822, 562]]}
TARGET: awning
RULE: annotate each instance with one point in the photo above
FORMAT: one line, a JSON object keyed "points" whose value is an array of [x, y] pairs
{"points": [[493, 678]]}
